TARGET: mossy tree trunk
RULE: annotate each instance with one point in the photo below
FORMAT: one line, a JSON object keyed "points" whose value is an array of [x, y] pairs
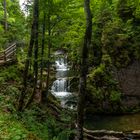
{"points": [[84, 69], [33, 40], [36, 17], [5, 15], [42, 49], [49, 48]]}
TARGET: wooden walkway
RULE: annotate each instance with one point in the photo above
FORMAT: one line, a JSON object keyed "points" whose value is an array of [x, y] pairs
{"points": [[8, 54]]}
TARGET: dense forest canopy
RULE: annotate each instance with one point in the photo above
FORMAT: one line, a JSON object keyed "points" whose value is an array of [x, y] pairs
{"points": [[88, 49]]}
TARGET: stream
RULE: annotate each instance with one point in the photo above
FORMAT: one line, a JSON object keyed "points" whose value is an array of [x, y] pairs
{"points": [[116, 123]]}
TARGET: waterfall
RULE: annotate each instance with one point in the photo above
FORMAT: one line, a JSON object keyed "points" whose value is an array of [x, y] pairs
{"points": [[61, 84]]}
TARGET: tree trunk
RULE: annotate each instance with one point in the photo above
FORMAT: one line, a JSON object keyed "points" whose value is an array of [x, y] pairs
{"points": [[49, 48], [36, 21], [29, 55], [5, 16], [42, 49], [25, 75], [83, 72]]}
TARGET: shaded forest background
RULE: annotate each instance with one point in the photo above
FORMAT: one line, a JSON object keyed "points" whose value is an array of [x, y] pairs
{"points": [[113, 66]]}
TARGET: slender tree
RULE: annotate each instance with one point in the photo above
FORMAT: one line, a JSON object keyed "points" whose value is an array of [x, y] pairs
{"points": [[33, 39], [42, 52], [5, 15], [84, 69], [36, 21], [45, 91], [49, 47]]}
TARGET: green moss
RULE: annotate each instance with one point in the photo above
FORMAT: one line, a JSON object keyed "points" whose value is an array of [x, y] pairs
{"points": [[103, 89], [115, 96]]}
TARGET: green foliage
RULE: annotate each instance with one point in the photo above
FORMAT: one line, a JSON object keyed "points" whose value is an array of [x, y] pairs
{"points": [[33, 123], [126, 9], [120, 42], [9, 74], [67, 22], [58, 130], [11, 129], [102, 87], [8, 98], [64, 135], [15, 22], [115, 96], [99, 72], [44, 125], [115, 32], [119, 35], [12, 126]]}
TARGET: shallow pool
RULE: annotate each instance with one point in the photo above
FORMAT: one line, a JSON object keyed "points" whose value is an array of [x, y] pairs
{"points": [[116, 123]]}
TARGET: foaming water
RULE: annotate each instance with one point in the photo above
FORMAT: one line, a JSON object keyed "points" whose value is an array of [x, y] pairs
{"points": [[60, 87], [61, 64], [62, 94]]}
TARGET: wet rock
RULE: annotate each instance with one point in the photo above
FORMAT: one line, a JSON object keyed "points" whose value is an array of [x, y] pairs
{"points": [[136, 134]]}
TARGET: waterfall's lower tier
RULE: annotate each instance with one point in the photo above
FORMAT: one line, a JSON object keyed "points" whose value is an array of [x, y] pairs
{"points": [[61, 94], [61, 87]]}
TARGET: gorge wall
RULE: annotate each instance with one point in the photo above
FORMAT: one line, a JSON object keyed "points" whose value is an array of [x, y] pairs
{"points": [[129, 83]]}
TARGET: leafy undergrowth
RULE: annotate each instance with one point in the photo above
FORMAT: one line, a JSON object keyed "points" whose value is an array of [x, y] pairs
{"points": [[19, 126], [33, 124], [15, 125], [39, 122], [12, 129]]}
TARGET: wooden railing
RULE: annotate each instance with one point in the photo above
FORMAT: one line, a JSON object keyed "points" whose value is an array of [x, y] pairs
{"points": [[8, 53]]}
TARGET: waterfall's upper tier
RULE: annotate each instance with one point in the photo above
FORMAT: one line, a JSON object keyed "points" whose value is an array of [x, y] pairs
{"points": [[61, 64]]}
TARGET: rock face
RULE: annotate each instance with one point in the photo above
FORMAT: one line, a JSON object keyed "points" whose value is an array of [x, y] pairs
{"points": [[129, 82]]}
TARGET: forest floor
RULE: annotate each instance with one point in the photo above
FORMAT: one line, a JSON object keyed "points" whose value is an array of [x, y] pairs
{"points": [[38, 122], [13, 129], [15, 125]]}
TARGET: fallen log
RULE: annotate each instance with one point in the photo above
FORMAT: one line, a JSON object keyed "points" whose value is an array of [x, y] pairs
{"points": [[103, 133], [110, 135], [90, 137]]}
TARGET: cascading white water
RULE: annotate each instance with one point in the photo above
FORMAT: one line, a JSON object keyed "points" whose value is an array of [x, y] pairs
{"points": [[61, 64], [60, 86]]}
